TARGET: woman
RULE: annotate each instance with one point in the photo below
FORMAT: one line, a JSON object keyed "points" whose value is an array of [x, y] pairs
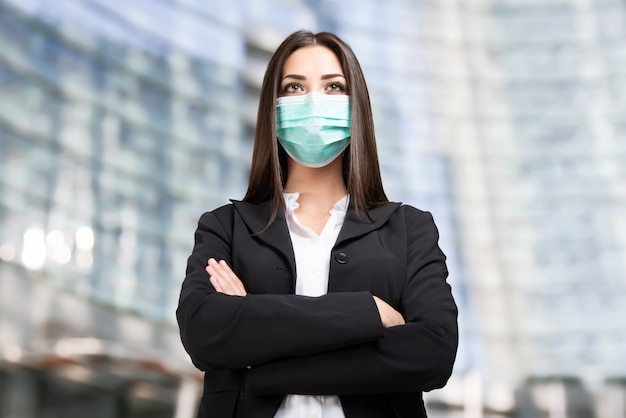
{"points": [[315, 295]]}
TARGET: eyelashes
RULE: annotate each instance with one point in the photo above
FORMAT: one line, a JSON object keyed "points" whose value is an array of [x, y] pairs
{"points": [[333, 87], [292, 87], [336, 86]]}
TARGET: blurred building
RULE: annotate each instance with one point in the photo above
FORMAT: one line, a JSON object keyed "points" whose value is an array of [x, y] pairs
{"points": [[121, 122]]}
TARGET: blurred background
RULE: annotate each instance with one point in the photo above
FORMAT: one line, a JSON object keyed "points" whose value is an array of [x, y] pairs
{"points": [[121, 122]]}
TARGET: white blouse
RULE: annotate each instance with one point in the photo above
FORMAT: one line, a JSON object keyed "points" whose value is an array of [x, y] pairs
{"points": [[312, 254]]}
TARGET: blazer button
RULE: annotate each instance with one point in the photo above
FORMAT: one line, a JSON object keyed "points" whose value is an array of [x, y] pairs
{"points": [[341, 258]]}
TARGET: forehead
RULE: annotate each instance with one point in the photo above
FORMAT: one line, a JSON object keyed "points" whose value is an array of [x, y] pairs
{"points": [[312, 60]]}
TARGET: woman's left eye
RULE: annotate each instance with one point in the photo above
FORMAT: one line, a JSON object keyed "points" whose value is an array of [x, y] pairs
{"points": [[335, 87]]}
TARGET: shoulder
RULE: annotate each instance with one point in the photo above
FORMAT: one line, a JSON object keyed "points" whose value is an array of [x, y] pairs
{"points": [[416, 221], [413, 213], [254, 215], [398, 215], [420, 224], [398, 211], [218, 221], [220, 214], [410, 213], [229, 209]]}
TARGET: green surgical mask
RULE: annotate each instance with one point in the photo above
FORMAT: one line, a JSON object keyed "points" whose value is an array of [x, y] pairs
{"points": [[314, 128]]}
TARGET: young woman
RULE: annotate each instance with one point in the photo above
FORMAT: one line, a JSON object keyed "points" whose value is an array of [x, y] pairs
{"points": [[315, 295]]}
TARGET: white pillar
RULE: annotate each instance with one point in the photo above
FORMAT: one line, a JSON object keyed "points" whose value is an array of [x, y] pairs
{"points": [[472, 395], [188, 396]]}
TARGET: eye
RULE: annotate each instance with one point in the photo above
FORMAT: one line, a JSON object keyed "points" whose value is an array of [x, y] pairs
{"points": [[292, 88], [335, 87]]}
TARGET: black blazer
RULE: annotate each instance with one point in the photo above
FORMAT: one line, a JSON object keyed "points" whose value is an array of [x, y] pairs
{"points": [[329, 345]]}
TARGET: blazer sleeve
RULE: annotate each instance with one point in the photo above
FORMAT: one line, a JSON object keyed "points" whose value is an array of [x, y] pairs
{"points": [[416, 356], [236, 332]]}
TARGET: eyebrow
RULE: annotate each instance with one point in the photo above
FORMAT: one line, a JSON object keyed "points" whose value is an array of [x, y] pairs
{"points": [[324, 77]]}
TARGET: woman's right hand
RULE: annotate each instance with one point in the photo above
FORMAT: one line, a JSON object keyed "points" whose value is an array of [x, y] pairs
{"points": [[388, 315], [223, 279]]}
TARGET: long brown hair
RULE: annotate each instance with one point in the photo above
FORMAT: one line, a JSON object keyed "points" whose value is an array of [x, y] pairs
{"points": [[361, 171]]}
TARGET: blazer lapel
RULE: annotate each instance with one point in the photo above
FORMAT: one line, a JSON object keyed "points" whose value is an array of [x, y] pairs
{"points": [[255, 216], [354, 226]]}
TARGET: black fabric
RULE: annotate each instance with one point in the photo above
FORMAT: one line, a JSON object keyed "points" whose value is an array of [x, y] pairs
{"points": [[329, 345]]}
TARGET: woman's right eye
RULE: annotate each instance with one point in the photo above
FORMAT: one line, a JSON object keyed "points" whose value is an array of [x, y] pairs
{"points": [[292, 88]]}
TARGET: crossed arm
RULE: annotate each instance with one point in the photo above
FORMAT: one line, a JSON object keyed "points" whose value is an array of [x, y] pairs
{"points": [[225, 281], [337, 334]]}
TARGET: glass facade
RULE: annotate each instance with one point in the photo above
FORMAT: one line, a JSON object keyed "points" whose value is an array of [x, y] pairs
{"points": [[108, 150], [547, 115], [121, 122]]}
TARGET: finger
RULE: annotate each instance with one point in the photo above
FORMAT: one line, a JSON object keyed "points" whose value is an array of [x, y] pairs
{"points": [[236, 282], [225, 279], [220, 281], [222, 284], [228, 278], [216, 284], [388, 315], [216, 270], [215, 276]]}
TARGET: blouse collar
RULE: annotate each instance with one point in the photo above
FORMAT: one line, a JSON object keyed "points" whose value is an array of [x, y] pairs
{"points": [[291, 203]]}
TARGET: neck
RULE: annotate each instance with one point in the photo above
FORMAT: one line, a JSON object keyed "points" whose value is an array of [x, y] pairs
{"points": [[323, 185]]}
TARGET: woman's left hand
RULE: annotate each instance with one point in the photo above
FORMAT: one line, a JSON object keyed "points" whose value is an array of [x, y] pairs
{"points": [[223, 279]]}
